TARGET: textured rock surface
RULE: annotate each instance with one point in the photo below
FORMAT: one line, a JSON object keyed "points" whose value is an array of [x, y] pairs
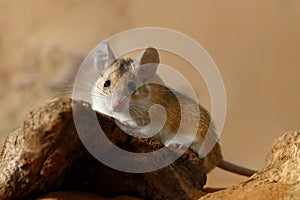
{"points": [[280, 179], [46, 154], [75, 195]]}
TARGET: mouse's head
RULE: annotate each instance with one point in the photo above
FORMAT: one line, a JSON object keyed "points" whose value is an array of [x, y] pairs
{"points": [[120, 78]]}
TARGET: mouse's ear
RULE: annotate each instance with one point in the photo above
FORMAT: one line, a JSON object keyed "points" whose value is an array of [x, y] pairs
{"points": [[146, 65], [103, 57]]}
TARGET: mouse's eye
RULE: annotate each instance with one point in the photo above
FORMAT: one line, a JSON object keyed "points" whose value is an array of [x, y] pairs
{"points": [[107, 83], [131, 86]]}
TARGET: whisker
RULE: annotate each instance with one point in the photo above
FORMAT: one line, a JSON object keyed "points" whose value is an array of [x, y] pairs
{"points": [[159, 115], [97, 95]]}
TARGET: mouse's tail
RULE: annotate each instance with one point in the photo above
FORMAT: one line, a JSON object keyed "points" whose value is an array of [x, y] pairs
{"points": [[235, 168]]}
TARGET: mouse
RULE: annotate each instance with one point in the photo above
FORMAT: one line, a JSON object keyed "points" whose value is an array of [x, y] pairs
{"points": [[126, 90]]}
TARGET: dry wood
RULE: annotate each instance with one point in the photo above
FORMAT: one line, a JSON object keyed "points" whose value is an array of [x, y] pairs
{"points": [[46, 154]]}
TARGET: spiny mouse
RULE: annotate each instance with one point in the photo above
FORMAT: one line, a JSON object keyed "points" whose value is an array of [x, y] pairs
{"points": [[127, 82]]}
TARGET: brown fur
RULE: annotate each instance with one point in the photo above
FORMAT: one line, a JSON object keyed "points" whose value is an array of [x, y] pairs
{"points": [[122, 71]]}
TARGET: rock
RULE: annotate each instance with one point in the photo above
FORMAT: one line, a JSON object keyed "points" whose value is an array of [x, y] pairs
{"points": [[46, 155], [45, 159], [75, 195], [280, 179]]}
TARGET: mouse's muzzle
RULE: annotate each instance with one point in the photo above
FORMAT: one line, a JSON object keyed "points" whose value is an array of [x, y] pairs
{"points": [[118, 103]]}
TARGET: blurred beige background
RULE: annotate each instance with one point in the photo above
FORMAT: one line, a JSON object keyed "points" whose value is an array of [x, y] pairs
{"points": [[255, 44]]}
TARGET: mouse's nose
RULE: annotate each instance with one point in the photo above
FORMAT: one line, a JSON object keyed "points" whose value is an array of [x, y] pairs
{"points": [[116, 104]]}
